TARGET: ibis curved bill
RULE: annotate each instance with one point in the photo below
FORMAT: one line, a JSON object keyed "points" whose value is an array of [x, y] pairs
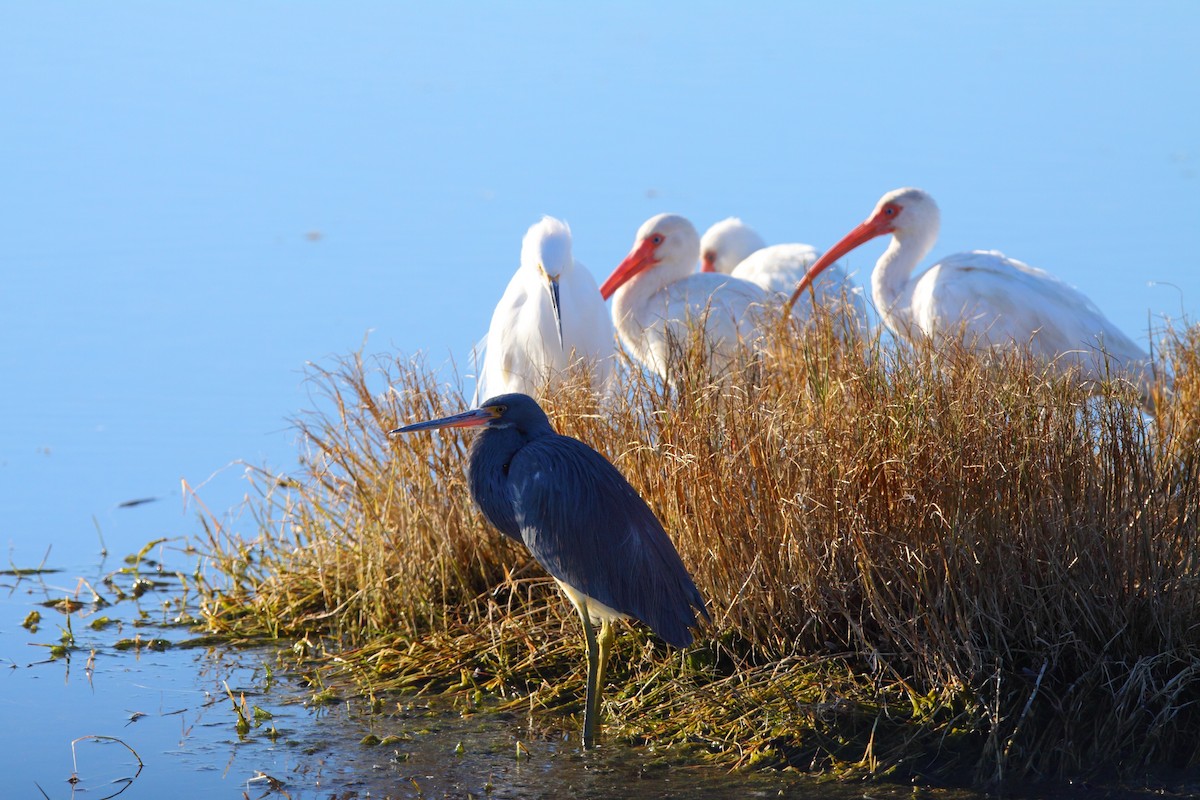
{"points": [[657, 294], [550, 320], [583, 523], [983, 298]]}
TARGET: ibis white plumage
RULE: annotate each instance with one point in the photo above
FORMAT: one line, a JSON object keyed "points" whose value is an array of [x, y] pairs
{"points": [[657, 294], [550, 320], [988, 299], [734, 248]]}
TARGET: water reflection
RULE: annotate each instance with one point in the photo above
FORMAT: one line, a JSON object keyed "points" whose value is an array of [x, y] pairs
{"points": [[119, 681]]}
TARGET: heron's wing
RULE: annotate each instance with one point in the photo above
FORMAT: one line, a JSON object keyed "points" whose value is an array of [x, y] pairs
{"points": [[588, 527]]}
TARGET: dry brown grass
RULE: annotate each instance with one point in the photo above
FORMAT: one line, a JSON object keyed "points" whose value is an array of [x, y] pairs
{"points": [[916, 561]]}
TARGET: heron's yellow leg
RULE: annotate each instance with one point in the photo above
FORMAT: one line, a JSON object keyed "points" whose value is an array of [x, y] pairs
{"points": [[591, 709], [607, 636]]}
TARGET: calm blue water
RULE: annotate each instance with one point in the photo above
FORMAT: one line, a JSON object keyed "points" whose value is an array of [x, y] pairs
{"points": [[200, 198]]}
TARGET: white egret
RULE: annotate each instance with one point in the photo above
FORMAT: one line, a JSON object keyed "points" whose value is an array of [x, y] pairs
{"points": [[550, 320]]}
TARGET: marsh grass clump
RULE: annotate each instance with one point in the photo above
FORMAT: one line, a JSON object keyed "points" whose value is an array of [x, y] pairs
{"points": [[917, 561]]}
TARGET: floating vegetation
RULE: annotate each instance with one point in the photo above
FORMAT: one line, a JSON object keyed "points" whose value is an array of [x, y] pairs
{"points": [[919, 564], [67, 605], [138, 643], [40, 569], [20, 572]]}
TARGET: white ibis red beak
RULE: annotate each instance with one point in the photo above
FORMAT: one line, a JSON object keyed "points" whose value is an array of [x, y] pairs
{"points": [[639, 259], [884, 221]]}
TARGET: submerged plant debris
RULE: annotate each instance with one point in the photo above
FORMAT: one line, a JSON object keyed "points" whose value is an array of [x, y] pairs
{"points": [[919, 564]]}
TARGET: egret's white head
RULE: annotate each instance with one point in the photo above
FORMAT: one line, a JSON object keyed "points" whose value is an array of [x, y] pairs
{"points": [[726, 244], [667, 239], [547, 247]]}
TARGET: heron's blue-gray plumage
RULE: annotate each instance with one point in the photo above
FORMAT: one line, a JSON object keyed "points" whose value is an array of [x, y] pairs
{"points": [[580, 519]]}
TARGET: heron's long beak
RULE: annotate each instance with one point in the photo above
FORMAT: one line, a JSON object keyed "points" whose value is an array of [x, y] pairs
{"points": [[467, 419], [638, 259], [875, 226], [557, 306]]}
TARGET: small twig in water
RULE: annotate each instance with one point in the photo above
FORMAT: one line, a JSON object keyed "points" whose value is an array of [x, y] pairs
{"points": [[98, 737]]}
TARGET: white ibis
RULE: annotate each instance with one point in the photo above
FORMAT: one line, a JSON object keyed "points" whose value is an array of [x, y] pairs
{"points": [[989, 300], [657, 293], [551, 319], [728, 243], [734, 248]]}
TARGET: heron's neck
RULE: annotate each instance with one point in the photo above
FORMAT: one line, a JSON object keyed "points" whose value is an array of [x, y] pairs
{"points": [[891, 282], [491, 454]]}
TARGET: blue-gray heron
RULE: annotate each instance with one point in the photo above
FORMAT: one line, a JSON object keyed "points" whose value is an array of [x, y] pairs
{"points": [[583, 523]]}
